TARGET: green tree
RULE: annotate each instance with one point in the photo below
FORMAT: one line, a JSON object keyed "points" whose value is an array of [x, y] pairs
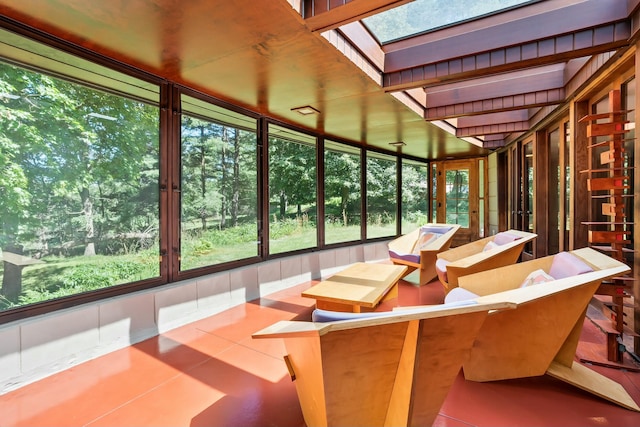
{"points": [[292, 174], [342, 177], [74, 158]]}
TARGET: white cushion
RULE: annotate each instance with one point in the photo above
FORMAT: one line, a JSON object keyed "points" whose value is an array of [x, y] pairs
{"points": [[490, 245], [459, 294], [536, 277]]}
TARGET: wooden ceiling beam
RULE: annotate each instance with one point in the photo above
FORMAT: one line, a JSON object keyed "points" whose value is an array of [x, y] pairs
{"points": [[509, 84], [492, 105], [323, 15], [492, 118], [493, 128], [546, 51], [494, 137], [491, 145]]}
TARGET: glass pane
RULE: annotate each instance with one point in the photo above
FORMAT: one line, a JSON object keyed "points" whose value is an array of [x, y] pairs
{"points": [[554, 191], [434, 193], [421, 16], [292, 191], [381, 196], [219, 208], [481, 206], [528, 196], [567, 184], [79, 186], [343, 193], [457, 204], [415, 195]]}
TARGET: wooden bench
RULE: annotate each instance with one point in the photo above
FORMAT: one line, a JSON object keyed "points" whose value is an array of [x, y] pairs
{"points": [[360, 287], [411, 250], [391, 369], [501, 249], [540, 336]]}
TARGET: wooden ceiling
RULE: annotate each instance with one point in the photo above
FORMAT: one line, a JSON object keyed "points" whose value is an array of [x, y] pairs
{"points": [[486, 78]]}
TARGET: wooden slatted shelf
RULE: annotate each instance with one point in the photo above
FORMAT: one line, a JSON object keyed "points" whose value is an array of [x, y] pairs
{"points": [[624, 168], [606, 196], [606, 223], [616, 243], [618, 237], [606, 129], [609, 141], [610, 249], [599, 116], [611, 183]]}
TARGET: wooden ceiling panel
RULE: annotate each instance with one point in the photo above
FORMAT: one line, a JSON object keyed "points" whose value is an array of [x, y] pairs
{"points": [[503, 85]]}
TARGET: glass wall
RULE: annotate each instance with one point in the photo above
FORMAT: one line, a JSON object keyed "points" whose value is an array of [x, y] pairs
{"points": [[342, 193], [415, 195], [218, 181], [381, 195], [83, 163], [79, 200], [292, 190]]}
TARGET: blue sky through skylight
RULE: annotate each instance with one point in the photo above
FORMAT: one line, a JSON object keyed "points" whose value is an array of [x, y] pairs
{"points": [[424, 15]]}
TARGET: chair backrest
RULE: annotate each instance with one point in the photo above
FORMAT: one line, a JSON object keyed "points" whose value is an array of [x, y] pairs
{"points": [[429, 234], [505, 237], [565, 265]]}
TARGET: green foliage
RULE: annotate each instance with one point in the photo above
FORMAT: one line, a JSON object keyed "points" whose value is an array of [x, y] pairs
{"points": [[289, 226], [79, 276], [292, 174]]}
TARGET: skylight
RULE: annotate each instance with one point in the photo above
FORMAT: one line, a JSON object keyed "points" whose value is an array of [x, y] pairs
{"points": [[422, 16]]}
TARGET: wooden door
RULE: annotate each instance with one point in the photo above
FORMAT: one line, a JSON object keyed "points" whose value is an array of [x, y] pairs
{"points": [[457, 197]]}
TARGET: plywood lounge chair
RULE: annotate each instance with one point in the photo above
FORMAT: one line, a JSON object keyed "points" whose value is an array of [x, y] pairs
{"points": [[541, 335], [370, 369], [418, 249], [501, 249]]}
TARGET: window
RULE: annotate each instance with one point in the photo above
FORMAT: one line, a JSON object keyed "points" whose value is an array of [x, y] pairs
{"points": [[554, 219], [219, 198], [292, 190], [481, 199], [79, 184], [415, 195], [567, 185], [457, 188], [434, 193], [343, 193], [381, 195]]}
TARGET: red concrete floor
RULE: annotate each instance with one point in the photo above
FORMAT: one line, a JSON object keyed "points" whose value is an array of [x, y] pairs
{"points": [[211, 373]]}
